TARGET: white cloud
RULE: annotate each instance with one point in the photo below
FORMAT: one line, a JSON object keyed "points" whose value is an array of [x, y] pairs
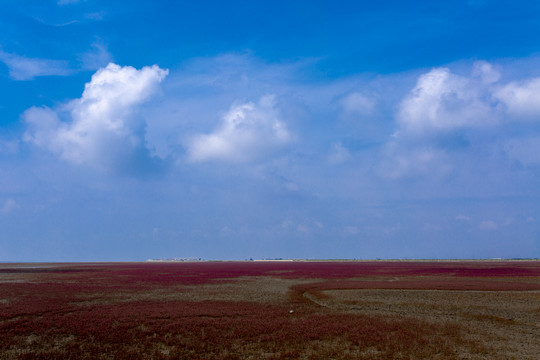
{"points": [[247, 132], [447, 118], [522, 99], [358, 103], [306, 226], [102, 127], [23, 68], [338, 154], [441, 115], [463, 218], [96, 57], [95, 16], [401, 161], [485, 72], [443, 101], [488, 225], [43, 124]]}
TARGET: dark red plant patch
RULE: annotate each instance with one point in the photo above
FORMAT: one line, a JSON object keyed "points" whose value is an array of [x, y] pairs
{"points": [[211, 330]]}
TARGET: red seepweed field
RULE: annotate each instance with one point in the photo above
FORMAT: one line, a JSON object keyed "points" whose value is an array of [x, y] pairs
{"points": [[271, 310]]}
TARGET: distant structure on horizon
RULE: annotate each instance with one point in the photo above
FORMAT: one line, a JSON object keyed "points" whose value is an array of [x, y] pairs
{"points": [[186, 259]]}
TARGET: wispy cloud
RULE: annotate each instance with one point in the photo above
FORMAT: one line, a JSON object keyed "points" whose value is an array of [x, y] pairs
{"points": [[68, 2], [98, 56], [24, 68], [359, 103], [338, 154], [462, 217], [488, 225]]}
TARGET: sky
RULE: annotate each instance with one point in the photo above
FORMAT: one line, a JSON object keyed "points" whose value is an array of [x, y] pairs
{"points": [[132, 130]]}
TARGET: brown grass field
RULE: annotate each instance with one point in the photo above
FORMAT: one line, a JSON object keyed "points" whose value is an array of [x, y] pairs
{"points": [[271, 310]]}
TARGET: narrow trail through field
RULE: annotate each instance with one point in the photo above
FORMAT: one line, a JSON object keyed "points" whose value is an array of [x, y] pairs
{"points": [[312, 299]]}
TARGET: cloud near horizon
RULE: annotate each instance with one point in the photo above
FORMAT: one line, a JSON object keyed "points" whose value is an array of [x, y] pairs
{"points": [[101, 128]]}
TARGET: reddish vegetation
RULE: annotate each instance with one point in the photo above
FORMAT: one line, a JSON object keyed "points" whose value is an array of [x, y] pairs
{"points": [[199, 272], [213, 330], [414, 284], [202, 272], [87, 311]]}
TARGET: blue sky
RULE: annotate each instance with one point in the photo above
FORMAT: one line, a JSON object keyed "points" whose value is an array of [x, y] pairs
{"points": [[242, 129]]}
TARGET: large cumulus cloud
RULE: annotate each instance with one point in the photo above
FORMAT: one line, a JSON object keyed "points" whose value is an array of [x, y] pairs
{"points": [[101, 128], [448, 117], [443, 101], [521, 99]]}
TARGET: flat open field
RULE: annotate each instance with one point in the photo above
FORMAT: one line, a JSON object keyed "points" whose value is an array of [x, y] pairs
{"points": [[271, 310]]}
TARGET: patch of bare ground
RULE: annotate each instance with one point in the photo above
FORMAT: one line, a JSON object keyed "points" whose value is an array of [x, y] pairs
{"points": [[267, 290], [506, 322]]}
